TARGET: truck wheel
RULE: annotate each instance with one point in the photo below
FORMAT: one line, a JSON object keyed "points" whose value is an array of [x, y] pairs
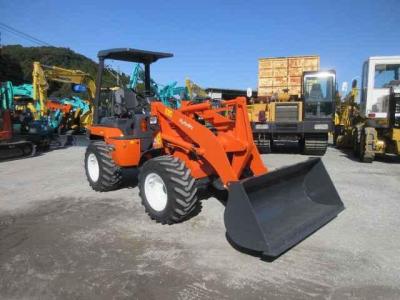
{"points": [[167, 189], [366, 153], [101, 171], [356, 146]]}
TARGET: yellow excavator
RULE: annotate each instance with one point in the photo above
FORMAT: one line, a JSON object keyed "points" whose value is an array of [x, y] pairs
{"points": [[195, 92], [42, 74]]}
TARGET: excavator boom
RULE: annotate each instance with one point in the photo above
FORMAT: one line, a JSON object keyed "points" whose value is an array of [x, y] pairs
{"points": [[42, 74]]}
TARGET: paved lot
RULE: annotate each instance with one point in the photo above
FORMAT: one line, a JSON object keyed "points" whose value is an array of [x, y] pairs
{"points": [[59, 239]]}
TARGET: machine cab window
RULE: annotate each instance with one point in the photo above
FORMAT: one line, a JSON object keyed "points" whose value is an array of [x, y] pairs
{"points": [[319, 93], [386, 75]]}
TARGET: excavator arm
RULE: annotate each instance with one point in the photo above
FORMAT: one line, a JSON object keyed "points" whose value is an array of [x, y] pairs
{"points": [[195, 91], [42, 74]]}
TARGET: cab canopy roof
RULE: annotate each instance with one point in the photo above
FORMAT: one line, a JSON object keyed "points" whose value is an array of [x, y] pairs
{"points": [[132, 55]]}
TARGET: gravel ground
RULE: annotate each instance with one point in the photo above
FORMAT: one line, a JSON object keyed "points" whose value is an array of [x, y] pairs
{"points": [[59, 239]]}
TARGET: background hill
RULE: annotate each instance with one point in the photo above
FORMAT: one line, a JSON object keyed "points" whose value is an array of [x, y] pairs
{"points": [[16, 63]]}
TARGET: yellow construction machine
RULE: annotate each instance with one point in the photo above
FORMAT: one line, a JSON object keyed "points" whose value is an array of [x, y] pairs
{"points": [[304, 120], [42, 74], [374, 129], [195, 92]]}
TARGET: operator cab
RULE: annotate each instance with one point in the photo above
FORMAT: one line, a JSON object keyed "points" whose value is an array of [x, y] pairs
{"points": [[319, 94], [124, 102], [124, 107], [380, 75]]}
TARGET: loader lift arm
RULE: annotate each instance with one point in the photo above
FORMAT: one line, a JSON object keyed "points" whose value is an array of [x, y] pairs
{"points": [[228, 136]]}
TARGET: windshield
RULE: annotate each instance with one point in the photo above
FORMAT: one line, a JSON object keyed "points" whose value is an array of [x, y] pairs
{"points": [[386, 75], [319, 92]]}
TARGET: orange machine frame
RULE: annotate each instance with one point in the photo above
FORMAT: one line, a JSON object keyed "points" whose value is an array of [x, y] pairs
{"points": [[211, 141], [227, 148]]}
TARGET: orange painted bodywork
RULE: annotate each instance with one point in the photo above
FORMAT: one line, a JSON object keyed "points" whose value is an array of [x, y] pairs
{"points": [[52, 105], [226, 150], [223, 148], [126, 152]]}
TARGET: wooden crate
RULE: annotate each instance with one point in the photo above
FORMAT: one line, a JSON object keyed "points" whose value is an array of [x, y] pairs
{"points": [[294, 80], [294, 90], [273, 62], [295, 72], [278, 73], [265, 81]]}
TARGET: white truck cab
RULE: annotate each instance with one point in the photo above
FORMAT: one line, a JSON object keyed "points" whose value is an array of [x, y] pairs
{"points": [[379, 74]]}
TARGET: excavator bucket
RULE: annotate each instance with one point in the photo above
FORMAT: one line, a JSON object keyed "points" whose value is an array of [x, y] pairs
{"points": [[273, 212]]}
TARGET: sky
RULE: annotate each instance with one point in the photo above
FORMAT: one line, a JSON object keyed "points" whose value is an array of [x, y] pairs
{"points": [[215, 43]]}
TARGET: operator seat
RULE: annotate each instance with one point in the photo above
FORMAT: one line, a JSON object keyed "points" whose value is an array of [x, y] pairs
{"points": [[316, 92], [123, 109]]}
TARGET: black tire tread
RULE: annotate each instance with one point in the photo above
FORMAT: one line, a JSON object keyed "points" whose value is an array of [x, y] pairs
{"points": [[110, 177], [367, 154], [182, 190], [315, 146]]}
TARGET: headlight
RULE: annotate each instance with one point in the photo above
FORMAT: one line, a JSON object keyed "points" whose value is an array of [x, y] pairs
{"points": [[321, 126], [153, 120], [262, 126]]}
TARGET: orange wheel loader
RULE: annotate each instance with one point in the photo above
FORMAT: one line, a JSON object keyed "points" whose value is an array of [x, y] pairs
{"points": [[177, 151]]}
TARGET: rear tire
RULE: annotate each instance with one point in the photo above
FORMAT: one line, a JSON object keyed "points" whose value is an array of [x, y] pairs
{"points": [[366, 153], [168, 191], [101, 171], [356, 146]]}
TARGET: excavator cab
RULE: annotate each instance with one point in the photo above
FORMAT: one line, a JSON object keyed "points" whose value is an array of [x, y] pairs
{"points": [[198, 145]]}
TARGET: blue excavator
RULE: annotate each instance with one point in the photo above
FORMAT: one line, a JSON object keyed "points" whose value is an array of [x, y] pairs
{"points": [[16, 140], [170, 95]]}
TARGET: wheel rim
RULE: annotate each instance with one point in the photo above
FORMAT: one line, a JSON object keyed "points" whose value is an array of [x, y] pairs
{"points": [[93, 167], [155, 191]]}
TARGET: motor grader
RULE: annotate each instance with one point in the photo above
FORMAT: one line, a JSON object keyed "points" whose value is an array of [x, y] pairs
{"points": [[373, 129], [180, 151]]}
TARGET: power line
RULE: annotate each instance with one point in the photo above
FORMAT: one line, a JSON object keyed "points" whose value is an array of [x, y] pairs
{"points": [[23, 35], [20, 36], [20, 33]]}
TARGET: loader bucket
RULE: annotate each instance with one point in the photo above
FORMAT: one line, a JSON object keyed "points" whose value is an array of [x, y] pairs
{"points": [[273, 212]]}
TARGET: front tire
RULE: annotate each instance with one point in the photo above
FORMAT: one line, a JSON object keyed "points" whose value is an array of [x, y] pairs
{"points": [[101, 171], [168, 191]]}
